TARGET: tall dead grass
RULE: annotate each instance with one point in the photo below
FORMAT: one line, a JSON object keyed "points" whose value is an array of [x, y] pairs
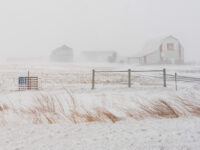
{"points": [[51, 110], [156, 109], [163, 109]]}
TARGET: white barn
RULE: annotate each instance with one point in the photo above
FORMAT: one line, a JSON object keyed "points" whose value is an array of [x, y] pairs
{"points": [[167, 50], [62, 54]]}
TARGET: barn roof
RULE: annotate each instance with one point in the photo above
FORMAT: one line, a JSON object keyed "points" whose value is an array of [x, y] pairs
{"points": [[152, 46]]}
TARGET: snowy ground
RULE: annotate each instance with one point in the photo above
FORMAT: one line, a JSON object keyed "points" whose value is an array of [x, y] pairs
{"points": [[66, 114], [165, 134]]}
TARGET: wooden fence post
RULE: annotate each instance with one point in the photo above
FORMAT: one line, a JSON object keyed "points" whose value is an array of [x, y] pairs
{"points": [[176, 81], [164, 78], [129, 78], [93, 78]]}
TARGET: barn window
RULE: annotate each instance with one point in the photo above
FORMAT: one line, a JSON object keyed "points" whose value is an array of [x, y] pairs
{"points": [[170, 46]]}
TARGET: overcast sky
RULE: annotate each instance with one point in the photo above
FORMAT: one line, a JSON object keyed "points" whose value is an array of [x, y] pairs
{"points": [[35, 27]]}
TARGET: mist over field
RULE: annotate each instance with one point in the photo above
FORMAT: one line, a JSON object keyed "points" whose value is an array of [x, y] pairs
{"points": [[99, 74], [35, 28]]}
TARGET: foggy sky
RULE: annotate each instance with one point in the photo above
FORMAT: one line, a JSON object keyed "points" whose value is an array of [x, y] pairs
{"points": [[35, 27]]}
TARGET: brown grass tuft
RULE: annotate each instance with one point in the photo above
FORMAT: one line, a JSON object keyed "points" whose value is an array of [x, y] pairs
{"points": [[49, 109], [103, 114]]}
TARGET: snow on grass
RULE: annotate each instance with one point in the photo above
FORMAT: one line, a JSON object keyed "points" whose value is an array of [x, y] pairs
{"points": [[66, 106], [66, 114], [65, 95]]}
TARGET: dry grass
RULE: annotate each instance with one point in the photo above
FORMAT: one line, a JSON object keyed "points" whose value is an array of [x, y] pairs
{"points": [[191, 108], [51, 110], [159, 109], [163, 109], [3, 107], [105, 114]]}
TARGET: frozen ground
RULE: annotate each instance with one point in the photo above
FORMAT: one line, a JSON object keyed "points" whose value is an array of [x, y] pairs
{"points": [[165, 134], [66, 114]]}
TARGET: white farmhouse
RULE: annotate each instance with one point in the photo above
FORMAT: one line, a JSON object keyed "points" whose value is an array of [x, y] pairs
{"points": [[62, 54], [166, 50]]}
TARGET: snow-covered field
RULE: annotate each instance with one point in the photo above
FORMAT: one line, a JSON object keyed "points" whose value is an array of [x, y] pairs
{"points": [[66, 114], [158, 134]]}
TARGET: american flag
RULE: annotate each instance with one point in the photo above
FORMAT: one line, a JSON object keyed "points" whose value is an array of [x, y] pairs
{"points": [[28, 83]]}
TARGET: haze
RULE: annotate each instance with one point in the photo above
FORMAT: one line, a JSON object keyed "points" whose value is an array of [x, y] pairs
{"points": [[34, 28]]}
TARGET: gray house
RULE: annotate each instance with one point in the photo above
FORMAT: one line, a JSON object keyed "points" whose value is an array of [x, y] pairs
{"points": [[62, 54], [167, 50]]}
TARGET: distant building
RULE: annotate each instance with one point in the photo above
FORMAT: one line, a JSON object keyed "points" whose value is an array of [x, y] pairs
{"points": [[62, 54], [99, 56], [167, 50]]}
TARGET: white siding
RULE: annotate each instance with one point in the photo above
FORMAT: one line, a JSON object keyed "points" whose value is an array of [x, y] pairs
{"points": [[153, 58], [170, 56], [176, 55]]}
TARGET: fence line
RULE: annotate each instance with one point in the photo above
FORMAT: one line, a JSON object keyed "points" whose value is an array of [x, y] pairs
{"points": [[164, 76], [161, 75], [177, 78], [146, 70], [183, 78], [109, 71], [129, 71]]}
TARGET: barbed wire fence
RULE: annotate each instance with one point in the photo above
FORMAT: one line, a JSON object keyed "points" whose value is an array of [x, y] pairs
{"points": [[127, 78], [154, 74], [128, 74]]}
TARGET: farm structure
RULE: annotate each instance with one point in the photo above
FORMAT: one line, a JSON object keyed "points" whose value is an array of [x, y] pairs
{"points": [[167, 50], [62, 54], [99, 56]]}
